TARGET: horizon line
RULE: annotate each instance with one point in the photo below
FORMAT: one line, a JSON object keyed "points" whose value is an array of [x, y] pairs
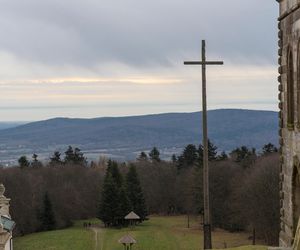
{"points": [[134, 115]]}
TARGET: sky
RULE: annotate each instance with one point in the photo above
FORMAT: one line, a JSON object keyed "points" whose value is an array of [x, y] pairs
{"points": [[94, 58]]}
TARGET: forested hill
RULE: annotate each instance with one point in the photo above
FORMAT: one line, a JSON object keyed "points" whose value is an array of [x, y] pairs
{"points": [[123, 137]]}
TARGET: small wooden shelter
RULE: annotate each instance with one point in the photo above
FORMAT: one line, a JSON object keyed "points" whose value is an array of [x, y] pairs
{"points": [[132, 218], [127, 242]]}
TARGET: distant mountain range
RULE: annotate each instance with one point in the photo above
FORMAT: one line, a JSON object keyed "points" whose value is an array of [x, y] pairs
{"points": [[124, 137]]}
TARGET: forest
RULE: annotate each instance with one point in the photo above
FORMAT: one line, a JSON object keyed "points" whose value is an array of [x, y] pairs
{"points": [[243, 186]]}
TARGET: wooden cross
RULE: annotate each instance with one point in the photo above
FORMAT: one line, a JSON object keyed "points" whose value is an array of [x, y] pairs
{"points": [[206, 224]]}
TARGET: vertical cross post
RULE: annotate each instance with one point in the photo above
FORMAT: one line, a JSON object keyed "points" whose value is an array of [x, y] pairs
{"points": [[207, 224]]}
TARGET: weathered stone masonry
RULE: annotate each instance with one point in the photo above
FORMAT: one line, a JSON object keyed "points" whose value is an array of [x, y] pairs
{"points": [[289, 117]]}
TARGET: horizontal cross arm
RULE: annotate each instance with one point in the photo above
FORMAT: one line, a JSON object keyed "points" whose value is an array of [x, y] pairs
{"points": [[205, 63]]}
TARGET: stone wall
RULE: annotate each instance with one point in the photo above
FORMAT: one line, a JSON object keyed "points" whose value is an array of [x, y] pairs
{"points": [[289, 44]]}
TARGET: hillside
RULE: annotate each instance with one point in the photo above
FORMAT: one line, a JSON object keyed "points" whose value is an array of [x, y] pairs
{"points": [[124, 137]]}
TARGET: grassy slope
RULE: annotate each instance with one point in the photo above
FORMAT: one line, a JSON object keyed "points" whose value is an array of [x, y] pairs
{"points": [[159, 233], [170, 233], [74, 238]]}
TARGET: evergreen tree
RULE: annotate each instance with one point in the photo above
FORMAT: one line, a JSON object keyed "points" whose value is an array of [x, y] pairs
{"points": [[244, 156], [174, 158], [223, 156], [113, 169], [69, 155], [115, 204], [124, 205], [212, 151], [108, 210], [47, 216], [135, 193], [241, 153], [23, 162], [200, 156], [142, 157], [189, 157], [154, 155], [35, 162], [269, 148], [55, 159], [79, 158], [34, 157], [75, 156]]}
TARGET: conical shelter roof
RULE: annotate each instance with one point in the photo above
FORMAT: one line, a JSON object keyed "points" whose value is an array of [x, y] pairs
{"points": [[127, 239], [132, 216]]}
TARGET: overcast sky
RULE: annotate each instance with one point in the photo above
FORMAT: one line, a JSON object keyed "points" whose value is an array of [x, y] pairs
{"points": [[93, 58]]}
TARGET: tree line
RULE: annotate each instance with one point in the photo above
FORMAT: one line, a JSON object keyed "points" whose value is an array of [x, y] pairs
{"points": [[72, 156], [243, 186]]}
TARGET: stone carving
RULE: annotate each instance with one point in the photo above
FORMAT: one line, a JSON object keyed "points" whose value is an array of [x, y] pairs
{"points": [[2, 190], [6, 224], [4, 202]]}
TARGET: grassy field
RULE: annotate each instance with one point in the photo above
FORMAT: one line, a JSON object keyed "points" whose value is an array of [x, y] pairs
{"points": [[159, 233], [68, 239]]}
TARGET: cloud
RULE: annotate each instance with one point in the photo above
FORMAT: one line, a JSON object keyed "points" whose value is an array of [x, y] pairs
{"points": [[110, 57], [88, 34]]}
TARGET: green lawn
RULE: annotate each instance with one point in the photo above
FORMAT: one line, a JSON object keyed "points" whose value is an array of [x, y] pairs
{"points": [[68, 239], [171, 233], [159, 233]]}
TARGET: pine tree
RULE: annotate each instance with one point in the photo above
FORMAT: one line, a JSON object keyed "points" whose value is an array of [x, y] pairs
{"points": [[269, 148], [23, 162], [124, 205], [79, 158], [35, 162], [47, 216], [223, 156], [55, 159], [108, 210], [154, 155], [142, 157], [244, 156], [113, 169], [212, 151], [69, 156], [189, 157], [174, 158], [75, 156], [34, 157], [135, 193], [200, 156]]}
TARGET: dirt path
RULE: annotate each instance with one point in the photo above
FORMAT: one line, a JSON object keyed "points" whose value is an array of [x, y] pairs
{"points": [[97, 232]]}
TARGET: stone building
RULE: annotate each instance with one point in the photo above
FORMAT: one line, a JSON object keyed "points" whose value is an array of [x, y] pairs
{"points": [[6, 223], [289, 116]]}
